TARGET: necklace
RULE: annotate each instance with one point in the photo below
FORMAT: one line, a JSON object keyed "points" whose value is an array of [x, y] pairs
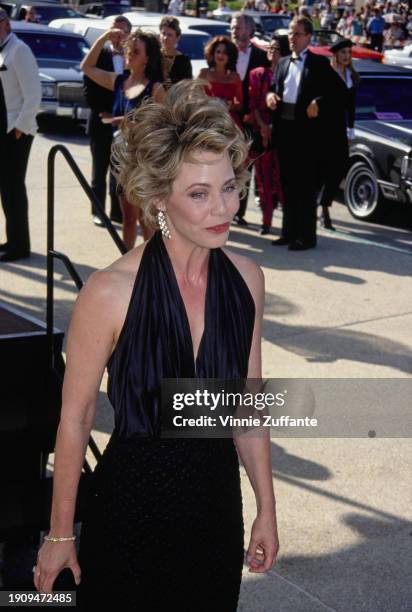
{"points": [[167, 65]]}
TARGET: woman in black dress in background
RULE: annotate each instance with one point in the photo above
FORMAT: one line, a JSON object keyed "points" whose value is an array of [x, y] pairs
{"points": [[175, 65], [339, 130], [164, 524]]}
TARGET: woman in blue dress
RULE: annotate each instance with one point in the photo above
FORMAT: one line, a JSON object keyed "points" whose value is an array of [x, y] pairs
{"points": [[162, 526], [142, 78]]}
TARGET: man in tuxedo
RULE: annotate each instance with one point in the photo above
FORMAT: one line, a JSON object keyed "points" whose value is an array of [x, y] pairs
{"points": [[100, 101], [20, 81], [305, 89], [242, 28]]}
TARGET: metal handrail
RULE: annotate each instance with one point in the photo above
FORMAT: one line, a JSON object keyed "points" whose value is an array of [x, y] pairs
{"points": [[50, 228], [52, 254]]}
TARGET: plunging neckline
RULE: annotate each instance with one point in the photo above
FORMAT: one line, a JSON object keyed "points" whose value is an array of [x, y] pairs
{"points": [[183, 306]]}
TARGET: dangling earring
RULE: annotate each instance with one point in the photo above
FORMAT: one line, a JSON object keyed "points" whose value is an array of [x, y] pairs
{"points": [[162, 223]]}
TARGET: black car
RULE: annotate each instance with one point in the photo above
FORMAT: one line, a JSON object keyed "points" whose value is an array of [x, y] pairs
{"points": [[105, 9], [45, 11], [266, 23], [381, 152], [58, 55]]}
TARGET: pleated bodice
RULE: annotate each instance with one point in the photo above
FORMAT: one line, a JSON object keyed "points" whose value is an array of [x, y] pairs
{"points": [[155, 341]]}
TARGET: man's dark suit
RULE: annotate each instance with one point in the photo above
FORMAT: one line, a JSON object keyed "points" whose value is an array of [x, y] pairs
{"points": [[3, 123], [3, 114], [299, 141], [100, 100], [257, 59]]}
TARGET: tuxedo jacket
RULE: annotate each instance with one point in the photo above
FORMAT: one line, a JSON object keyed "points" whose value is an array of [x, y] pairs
{"points": [[99, 98], [19, 74], [257, 59], [3, 114], [318, 82]]}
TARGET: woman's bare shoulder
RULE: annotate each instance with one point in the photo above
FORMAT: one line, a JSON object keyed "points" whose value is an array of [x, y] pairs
{"points": [[251, 272], [204, 73], [111, 284], [234, 77]]}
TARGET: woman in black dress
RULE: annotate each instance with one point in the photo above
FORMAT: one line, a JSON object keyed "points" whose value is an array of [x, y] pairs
{"points": [[175, 65], [339, 130], [163, 525]]}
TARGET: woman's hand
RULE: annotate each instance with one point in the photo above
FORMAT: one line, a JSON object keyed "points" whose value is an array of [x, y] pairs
{"points": [[272, 101], [264, 543], [312, 110], [105, 117], [52, 558], [234, 104], [108, 118], [116, 36]]}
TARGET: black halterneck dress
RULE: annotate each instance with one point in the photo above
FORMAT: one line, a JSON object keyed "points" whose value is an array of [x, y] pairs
{"points": [[164, 522]]}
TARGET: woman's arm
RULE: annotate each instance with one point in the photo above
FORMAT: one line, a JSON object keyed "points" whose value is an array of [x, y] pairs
{"points": [[89, 344], [254, 449], [204, 74], [254, 88], [104, 78], [255, 97]]}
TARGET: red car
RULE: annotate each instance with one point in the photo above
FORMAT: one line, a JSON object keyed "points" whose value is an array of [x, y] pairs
{"points": [[323, 39]]}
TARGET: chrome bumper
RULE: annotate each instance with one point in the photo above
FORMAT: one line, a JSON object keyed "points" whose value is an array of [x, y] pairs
{"points": [[72, 111]]}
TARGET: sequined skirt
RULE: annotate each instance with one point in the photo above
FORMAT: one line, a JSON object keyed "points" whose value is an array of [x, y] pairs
{"points": [[163, 527]]}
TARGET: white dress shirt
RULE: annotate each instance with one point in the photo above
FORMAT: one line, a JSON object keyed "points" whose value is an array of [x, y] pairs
{"points": [[292, 80], [20, 79], [118, 61], [243, 62]]}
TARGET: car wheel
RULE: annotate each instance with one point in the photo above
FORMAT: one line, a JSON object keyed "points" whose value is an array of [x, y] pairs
{"points": [[362, 195]]}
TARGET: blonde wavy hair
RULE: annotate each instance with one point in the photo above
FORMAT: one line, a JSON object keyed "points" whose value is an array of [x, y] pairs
{"points": [[157, 138], [353, 73]]}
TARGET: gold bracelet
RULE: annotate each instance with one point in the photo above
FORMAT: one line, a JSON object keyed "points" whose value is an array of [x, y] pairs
{"points": [[53, 539]]}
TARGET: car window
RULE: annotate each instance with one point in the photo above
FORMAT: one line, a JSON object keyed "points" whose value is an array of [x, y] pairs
{"points": [[380, 98], [48, 13], [193, 46], [213, 30], [7, 7], [92, 34], [94, 9], [113, 9], [270, 24], [324, 38], [45, 46]]}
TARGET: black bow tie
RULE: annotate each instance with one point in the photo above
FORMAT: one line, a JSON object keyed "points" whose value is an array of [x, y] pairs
{"points": [[298, 58]]}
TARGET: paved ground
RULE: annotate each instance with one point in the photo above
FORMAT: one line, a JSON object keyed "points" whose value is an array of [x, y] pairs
{"points": [[340, 311]]}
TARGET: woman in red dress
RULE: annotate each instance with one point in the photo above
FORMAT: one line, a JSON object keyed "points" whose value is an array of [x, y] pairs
{"points": [[267, 173], [224, 81]]}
